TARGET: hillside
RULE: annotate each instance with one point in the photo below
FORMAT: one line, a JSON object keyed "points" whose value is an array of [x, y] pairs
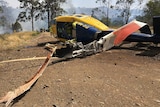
{"points": [[126, 76], [16, 40]]}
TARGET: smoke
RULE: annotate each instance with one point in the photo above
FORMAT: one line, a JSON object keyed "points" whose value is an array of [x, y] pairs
{"points": [[10, 15], [39, 24], [69, 7], [4, 30]]}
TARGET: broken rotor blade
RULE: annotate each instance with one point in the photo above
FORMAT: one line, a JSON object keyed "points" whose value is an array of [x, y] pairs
{"points": [[11, 95]]}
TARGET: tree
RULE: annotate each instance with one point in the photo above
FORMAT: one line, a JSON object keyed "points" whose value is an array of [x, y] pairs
{"points": [[124, 6], [1, 10], [3, 20], [16, 27], [106, 20], [117, 23], [31, 11], [152, 9], [107, 4], [53, 8]]}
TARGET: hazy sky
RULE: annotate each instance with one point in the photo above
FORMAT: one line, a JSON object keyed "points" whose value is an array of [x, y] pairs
{"points": [[13, 3], [75, 3]]}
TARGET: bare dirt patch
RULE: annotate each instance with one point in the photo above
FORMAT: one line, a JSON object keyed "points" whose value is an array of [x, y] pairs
{"points": [[126, 76]]}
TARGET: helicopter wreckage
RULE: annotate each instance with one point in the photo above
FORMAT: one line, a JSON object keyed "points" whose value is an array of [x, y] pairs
{"points": [[78, 35]]}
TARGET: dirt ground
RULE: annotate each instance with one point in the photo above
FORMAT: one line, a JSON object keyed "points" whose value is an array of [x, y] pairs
{"points": [[126, 76]]}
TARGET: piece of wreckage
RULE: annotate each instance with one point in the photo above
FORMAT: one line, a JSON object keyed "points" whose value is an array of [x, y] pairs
{"points": [[82, 35], [146, 35], [79, 35]]}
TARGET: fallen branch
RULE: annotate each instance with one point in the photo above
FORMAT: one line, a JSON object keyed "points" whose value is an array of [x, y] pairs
{"points": [[20, 90]]}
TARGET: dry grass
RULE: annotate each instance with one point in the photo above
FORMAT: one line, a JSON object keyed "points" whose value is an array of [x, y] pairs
{"points": [[12, 41]]}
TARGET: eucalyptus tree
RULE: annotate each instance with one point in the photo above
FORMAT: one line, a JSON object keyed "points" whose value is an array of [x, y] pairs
{"points": [[124, 6], [105, 14], [3, 20], [52, 8], [31, 11], [16, 27], [152, 9]]}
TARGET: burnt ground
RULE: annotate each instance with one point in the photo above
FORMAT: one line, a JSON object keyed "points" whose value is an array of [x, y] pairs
{"points": [[126, 76]]}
